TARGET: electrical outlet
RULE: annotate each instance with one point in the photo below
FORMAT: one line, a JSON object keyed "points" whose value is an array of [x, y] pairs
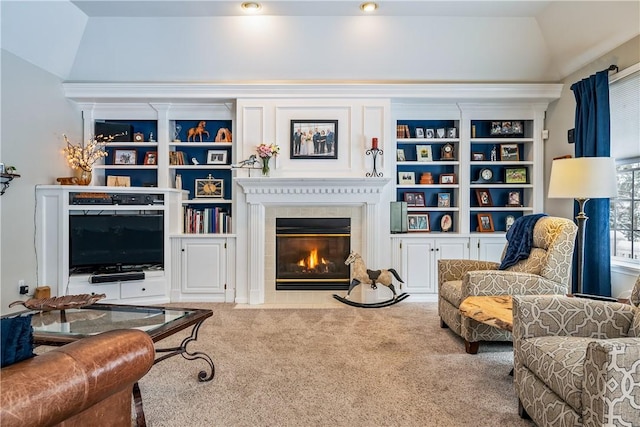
{"points": [[24, 289]]}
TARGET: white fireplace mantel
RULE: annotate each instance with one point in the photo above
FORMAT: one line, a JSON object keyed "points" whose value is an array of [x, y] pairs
{"points": [[343, 191]]}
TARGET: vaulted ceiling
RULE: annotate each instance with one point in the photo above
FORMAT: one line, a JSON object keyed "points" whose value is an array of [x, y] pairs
{"points": [[214, 40]]}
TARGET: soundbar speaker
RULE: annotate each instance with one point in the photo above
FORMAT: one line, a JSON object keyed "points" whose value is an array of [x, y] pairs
{"points": [[117, 277]]}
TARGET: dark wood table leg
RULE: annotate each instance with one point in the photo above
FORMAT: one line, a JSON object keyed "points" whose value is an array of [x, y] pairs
{"points": [[137, 398], [471, 347]]}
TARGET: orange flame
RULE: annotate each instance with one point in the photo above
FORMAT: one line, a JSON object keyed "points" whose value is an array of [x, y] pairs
{"points": [[311, 261]]}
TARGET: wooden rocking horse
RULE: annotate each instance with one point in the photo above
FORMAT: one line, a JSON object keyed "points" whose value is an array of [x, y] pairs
{"points": [[361, 274]]}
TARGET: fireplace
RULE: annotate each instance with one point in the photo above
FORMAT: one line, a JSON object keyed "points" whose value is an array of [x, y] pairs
{"points": [[310, 253]]}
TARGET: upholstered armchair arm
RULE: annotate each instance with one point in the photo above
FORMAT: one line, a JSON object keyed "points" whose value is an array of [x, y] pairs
{"points": [[455, 269], [611, 390], [535, 316], [502, 282]]}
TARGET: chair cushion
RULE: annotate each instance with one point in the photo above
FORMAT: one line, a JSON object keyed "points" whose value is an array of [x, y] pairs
{"points": [[16, 342], [558, 362], [452, 292], [531, 265]]}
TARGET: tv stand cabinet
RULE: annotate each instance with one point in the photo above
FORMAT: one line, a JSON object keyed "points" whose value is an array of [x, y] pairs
{"points": [[54, 205]]}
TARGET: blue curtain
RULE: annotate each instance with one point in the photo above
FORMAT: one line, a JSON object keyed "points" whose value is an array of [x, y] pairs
{"points": [[592, 125]]}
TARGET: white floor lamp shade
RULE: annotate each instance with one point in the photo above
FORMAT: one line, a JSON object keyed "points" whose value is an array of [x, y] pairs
{"points": [[583, 178]]}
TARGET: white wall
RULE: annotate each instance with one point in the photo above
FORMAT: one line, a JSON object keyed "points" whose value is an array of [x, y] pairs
{"points": [[34, 115], [249, 48]]}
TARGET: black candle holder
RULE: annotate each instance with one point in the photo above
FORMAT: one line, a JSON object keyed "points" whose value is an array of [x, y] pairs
{"points": [[375, 152]]}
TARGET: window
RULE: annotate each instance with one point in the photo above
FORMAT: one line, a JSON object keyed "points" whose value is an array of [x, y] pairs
{"points": [[624, 96], [625, 214]]}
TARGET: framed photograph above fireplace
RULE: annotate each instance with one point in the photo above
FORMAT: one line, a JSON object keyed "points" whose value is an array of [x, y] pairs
{"points": [[314, 139]]}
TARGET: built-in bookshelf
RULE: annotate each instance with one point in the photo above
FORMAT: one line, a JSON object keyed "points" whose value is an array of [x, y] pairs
{"points": [[501, 173], [200, 158], [469, 169], [428, 169], [187, 147], [132, 156]]}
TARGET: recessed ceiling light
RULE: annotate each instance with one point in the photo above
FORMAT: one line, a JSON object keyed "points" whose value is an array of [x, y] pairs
{"points": [[368, 6], [250, 6]]}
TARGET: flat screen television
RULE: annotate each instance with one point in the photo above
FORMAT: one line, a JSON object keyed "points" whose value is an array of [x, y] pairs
{"points": [[115, 242]]}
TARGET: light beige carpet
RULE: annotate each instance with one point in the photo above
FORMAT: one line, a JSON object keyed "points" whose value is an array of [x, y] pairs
{"points": [[350, 366]]}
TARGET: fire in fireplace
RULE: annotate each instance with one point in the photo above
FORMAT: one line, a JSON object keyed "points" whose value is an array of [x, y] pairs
{"points": [[310, 253]]}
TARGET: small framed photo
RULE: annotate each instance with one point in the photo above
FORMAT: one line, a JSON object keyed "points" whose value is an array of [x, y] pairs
{"points": [[209, 187], [444, 200], [477, 157], [515, 175], [400, 155], [496, 128], [419, 133], [118, 181], [414, 199], [514, 199], [484, 197], [124, 157], [485, 223], [217, 157], [314, 139], [509, 153], [151, 158], [423, 153], [410, 198], [429, 133], [418, 222], [406, 178], [452, 132], [447, 178], [517, 128]]}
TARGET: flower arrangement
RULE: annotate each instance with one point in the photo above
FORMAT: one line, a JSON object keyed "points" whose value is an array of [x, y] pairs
{"points": [[83, 156], [265, 152]]}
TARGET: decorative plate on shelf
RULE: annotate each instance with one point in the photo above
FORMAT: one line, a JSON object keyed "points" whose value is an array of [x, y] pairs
{"points": [[60, 303]]}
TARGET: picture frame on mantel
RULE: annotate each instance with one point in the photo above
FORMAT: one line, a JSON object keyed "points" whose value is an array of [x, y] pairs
{"points": [[314, 139]]}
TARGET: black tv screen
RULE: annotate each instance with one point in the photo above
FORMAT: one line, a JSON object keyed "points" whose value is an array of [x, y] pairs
{"points": [[114, 241]]}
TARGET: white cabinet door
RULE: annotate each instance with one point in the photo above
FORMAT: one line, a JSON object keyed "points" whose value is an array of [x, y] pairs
{"points": [[487, 248], [203, 266], [420, 257], [417, 266], [452, 249]]}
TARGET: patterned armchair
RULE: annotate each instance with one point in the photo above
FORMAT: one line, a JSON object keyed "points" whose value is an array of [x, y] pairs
{"points": [[546, 271], [577, 361]]}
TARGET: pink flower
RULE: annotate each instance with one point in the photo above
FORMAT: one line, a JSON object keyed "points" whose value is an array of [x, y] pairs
{"points": [[267, 150]]}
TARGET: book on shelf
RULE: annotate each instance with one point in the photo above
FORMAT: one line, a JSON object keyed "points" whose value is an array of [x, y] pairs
{"points": [[206, 220], [176, 158], [402, 131]]}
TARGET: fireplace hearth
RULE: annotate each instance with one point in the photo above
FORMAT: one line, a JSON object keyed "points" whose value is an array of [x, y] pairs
{"points": [[310, 253]]}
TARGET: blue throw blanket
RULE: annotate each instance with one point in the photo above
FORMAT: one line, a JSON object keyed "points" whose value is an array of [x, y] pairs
{"points": [[520, 240]]}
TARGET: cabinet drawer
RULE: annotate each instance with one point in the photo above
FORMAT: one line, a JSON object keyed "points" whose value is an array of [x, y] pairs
{"points": [[149, 287]]}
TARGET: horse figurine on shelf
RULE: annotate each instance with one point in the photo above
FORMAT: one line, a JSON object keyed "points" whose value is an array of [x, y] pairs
{"points": [[197, 131], [361, 274]]}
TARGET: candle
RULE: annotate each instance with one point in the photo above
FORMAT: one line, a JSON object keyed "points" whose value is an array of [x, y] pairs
{"points": [[374, 143]]}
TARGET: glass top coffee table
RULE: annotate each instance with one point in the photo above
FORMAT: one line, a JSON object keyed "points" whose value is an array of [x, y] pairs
{"points": [[59, 327]]}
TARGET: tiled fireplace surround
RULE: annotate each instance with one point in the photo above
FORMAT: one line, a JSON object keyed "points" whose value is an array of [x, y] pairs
{"points": [[271, 198]]}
